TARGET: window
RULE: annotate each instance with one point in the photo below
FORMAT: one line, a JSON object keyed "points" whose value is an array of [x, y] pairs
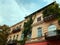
{"points": [[17, 27], [39, 19], [10, 37], [39, 32], [20, 25], [22, 36], [17, 37], [14, 37], [51, 28]]}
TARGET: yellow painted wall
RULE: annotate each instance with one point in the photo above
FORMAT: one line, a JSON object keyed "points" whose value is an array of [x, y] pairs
{"points": [[35, 25]]}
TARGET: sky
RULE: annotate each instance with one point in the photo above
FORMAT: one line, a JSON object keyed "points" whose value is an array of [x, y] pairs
{"points": [[14, 11]]}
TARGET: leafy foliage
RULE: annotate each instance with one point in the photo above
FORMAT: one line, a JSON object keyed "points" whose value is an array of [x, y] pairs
{"points": [[4, 34], [27, 30], [27, 27], [51, 10]]}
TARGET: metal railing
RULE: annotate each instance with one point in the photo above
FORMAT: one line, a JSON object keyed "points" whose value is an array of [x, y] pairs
{"points": [[16, 30], [50, 17], [52, 33]]}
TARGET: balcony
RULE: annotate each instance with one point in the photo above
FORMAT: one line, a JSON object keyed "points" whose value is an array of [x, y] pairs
{"points": [[52, 35], [16, 30], [49, 18], [11, 42]]}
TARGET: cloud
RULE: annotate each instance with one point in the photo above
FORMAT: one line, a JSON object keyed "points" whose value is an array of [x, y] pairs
{"points": [[58, 1], [48, 1], [11, 12], [31, 6]]}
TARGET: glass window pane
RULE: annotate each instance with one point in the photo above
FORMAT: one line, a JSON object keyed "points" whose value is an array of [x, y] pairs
{"points": [[51, 28], [39, 32], [39, 19]]}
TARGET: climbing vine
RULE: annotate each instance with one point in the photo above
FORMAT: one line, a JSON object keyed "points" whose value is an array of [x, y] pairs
{"points": [[51, 10], [27, 30]]}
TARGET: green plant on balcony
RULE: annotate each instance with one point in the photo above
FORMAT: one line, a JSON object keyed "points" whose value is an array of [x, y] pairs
{"points": [[51, 10]]}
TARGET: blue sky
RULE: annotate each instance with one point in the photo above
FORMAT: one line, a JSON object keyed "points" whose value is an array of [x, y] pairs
{"points": [[14, 11]]}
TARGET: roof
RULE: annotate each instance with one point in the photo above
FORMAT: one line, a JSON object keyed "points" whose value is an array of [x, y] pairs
{"points": [[40, 9]]}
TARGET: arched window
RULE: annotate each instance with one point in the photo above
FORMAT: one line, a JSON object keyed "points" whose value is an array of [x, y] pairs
{"points": [[51, 28]]}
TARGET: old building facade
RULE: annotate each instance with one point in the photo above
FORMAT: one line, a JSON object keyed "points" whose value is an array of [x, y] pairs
{"points": [[44, 30]]}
